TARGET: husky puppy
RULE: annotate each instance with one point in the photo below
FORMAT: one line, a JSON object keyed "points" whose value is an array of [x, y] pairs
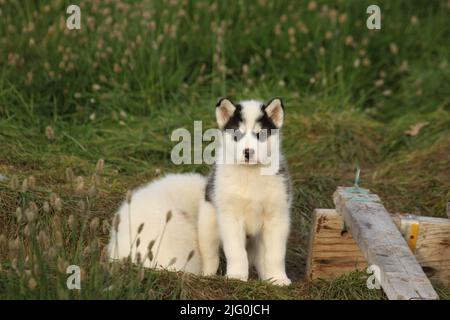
{"points": [[246, 208], [173, 240]]}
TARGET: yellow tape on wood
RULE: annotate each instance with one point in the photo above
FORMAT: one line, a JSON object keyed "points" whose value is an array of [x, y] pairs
{"points": [[410, 230]]}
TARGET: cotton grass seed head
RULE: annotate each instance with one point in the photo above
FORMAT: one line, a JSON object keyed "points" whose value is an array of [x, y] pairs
{"points": [[59, 239], [312, 5], [150, 255], [26, 231], [149, 250], [71, 222], [92, 191], [79, 186], [33, 206], [56, 222], [51, 254], [81, 205], [30, 214], [116, 222], [404, 66], [94, 224], [138, 258], [393, 48], [25, 185], [150, 245], [49, 133], [14, 264], [43, 239], [86, 251], [129, 196], [349, 41], [100, 166], [14, 183], [168, 216], [32, 284], [53, 197], [172, 261], [70, 176], [46, 207], [105, 226], [191, 255], [378, 83], [58, 205], [18, 214], [31, 182]]}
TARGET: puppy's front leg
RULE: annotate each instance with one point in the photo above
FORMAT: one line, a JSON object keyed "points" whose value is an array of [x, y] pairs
{"points": [[275, 234], [233, 239], [208, 238]]}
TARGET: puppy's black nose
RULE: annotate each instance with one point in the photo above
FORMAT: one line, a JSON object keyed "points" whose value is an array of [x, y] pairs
{"points": [[249, 153]]}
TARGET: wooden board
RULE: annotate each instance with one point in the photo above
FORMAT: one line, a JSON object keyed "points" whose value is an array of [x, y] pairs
{"points": [[333, 252], [432, 247], [382, 244]]}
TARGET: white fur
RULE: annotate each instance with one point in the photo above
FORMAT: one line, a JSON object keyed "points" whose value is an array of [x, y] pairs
{"points": [[246, 203], [232, 151], [178, 193]]}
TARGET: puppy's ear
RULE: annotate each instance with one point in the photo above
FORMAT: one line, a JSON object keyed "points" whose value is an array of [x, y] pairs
{"points": [[275, 111], [224, 110]]}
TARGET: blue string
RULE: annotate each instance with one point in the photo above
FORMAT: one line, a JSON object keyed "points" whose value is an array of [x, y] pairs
{"points": [[356, 184], [356, 189], [360, 199]]}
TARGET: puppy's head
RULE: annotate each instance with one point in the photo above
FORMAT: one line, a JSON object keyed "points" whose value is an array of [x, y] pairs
{"points": [[249, 129]]}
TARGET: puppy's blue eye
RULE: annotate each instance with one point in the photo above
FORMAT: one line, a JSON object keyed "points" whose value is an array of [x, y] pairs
{"points": [[261, 135], [237, 135]]}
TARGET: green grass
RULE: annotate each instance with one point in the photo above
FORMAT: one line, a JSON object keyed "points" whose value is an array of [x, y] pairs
{"points": [[137, 70]]}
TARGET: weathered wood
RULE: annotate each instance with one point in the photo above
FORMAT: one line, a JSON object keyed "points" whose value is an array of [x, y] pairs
{"points": [[382, 244], [334, 252], [432, 248]]}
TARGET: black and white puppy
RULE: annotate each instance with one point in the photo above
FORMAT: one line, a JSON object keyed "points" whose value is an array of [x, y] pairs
{"points": [[246, 206]]}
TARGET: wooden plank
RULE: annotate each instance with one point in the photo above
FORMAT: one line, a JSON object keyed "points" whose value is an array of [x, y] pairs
{"points": [[333, 252], [432, 249], [382, 244]]}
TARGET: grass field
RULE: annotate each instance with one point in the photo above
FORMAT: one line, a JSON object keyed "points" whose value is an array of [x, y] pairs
{"points": [[137, 70]]}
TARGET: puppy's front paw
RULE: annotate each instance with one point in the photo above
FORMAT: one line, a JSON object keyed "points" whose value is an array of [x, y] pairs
{"points": [[210, 266], [282, 281], [209, 271], [242, 277]]}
